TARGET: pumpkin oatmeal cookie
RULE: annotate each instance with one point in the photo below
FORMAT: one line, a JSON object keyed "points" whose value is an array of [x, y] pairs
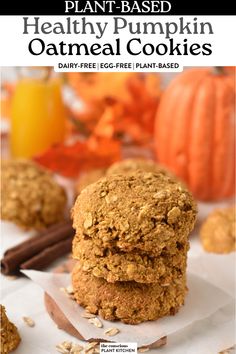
{"points": [[114, 265], [145, 211], [218, 232], [10, 337], [129, 302], [31, 197]]}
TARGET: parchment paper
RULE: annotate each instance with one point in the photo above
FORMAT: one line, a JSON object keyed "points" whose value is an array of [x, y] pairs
{"points": [[203, 299], [210, 335]]}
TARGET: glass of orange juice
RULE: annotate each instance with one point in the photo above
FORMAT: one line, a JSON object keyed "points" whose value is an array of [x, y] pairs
{"points": [[38, 112]]}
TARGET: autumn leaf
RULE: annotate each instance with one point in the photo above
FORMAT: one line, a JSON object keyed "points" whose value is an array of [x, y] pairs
{"points": [[118, 104], [116, 108], [70, 160]]}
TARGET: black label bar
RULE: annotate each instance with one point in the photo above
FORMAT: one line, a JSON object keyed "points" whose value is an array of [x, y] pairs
{"points": [[117, 7]]}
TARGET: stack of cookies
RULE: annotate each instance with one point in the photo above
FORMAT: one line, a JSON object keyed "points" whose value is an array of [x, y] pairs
{"points": [[131, 244]]}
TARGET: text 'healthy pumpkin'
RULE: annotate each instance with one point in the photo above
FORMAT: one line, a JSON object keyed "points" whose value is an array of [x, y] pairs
{"points": [[195, 131]]}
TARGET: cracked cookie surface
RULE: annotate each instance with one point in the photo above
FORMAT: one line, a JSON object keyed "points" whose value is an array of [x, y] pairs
{"points": [[142, 211]]}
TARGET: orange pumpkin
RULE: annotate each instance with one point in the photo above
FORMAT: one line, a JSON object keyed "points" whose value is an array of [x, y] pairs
{"points": [[195, 131], [230, 70]]}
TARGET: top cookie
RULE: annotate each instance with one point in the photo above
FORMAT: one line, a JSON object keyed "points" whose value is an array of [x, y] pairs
{"points": [[141, 211]]}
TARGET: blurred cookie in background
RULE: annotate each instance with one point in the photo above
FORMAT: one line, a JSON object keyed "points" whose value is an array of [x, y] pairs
{"points": [[134, 164], [88, 178], [121, 167], [218, 233], [31, 197]]}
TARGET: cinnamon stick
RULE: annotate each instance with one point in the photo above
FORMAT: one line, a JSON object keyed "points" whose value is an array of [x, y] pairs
{"points": [[50, 254], [61, 230], [23, 252]]}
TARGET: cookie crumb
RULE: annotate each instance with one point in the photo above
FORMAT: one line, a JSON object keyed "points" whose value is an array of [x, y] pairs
{"points": [[69, 292], [87, 314], [29, 321], [92, 348], [96, 322], [76, 348], [111, 332], [143, 349], [67, 347]]}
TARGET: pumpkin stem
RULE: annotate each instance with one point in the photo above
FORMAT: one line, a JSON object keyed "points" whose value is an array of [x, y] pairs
{"points": [[218, 70]]}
